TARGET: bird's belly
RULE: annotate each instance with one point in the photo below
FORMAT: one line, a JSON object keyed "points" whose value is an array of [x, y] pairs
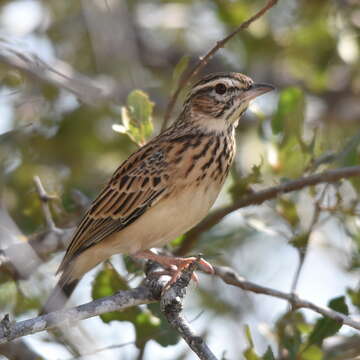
{"points": [[167, 220]]}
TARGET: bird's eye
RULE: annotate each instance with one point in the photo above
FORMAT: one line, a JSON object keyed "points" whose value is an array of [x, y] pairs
{"points": [[220, 89]]}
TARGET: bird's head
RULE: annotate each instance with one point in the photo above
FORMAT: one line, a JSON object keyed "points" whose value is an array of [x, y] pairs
{"points": [[218, 100]]}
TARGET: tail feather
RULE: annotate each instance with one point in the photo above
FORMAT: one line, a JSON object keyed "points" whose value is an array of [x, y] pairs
{"points": [[59, 297]]}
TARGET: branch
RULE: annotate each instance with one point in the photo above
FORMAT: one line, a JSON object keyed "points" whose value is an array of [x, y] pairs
{"points": [[171, 305], [205, 59], [45, 198], [152, 289], [171, 300], [87, 90], [48, 242], [68, 317], [229, 276], [257, 198]]}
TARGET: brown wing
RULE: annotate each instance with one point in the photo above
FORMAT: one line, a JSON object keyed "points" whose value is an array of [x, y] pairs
{"points": [[137, 184]]}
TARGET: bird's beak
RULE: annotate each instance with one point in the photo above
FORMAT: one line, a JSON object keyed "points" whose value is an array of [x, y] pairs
{"points": [[256, 90]]}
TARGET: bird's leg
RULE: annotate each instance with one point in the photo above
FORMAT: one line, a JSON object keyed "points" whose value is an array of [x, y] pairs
{"points": [[175, 265]]}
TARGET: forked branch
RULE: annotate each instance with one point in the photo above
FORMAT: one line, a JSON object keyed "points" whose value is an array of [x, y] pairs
{"points": [[149, 293]]}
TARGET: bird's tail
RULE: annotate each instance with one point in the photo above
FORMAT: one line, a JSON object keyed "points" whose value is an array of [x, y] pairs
{"points": [[59, 296]]}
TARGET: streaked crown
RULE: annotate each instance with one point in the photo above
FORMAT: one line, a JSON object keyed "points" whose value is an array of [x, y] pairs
{"points": [[218, 100]]}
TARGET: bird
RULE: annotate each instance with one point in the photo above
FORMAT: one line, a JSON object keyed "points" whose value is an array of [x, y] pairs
{"points": [[164, 188]]}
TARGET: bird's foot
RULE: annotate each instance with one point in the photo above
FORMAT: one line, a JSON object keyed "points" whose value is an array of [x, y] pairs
{"points": [[175, 265]]}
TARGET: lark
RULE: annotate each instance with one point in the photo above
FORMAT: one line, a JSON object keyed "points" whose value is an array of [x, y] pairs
{"points": [[164, 188]]}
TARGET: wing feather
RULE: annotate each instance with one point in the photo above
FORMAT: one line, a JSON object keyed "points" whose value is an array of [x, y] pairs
{"points": [[135, 186]]}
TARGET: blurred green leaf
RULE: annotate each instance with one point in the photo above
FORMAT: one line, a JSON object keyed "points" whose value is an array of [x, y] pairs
{"points": [[289, 116], [269, 355], [8, 295], [327, 327], [108, 282], [25, 303], [312, 352], [300, 241], [242, 185], [180, 67], [131, 266], [350, 153], [13, 79], [249, 353], [178, 241], [287, 209], [289, 332], [354, 295], [165, 335]]}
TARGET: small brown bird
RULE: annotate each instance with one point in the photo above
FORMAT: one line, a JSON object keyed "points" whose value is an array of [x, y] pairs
{"points": [[164, 188]]}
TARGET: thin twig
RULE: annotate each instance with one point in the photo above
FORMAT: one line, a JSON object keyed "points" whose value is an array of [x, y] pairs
{"points": [[257, 198], [87, 90], [45, 198], [303, 251], [229, 276], [205, 59], [171, 306]]}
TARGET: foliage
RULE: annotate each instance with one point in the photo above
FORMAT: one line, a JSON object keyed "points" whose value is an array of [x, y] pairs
{"points": [[139, 50]]}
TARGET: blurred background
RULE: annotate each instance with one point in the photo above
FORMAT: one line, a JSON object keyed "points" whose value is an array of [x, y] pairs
{"points": [[66, 70]]}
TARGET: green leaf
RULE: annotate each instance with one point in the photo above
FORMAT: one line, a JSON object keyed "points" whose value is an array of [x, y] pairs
{"points": [[248, 336], [288, 211], [242, 185], [290, 337], [289, 116], [269, 355], [8, 295], [136, 117], [327, 327], [147, 325], [249, 353], [180, 67], [178, 241], [140, 106], [165, 334], [107, 282], [354, 296], [300, 241], [312, 352]]}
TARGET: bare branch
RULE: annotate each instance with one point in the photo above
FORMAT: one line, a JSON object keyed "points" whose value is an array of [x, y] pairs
{"points": [[68, 317], [171, 305], [205, 59], [257, 198], [229, 276], [87, 90]]}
